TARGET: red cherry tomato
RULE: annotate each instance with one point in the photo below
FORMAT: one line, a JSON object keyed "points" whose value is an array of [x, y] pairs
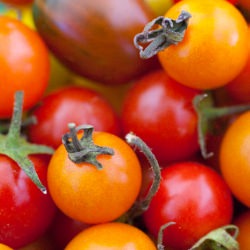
{"points": [[160, 111], [26, 212], [24, 64], [193, 196], [71, 104]]}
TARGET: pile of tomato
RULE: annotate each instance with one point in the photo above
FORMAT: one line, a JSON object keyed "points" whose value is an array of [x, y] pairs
{"points": [[124, 125]]}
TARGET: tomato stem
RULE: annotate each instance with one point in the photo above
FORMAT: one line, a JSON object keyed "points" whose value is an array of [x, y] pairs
{"points": [[17, 148], [170, 32], [160, 245], [206, 112], [221, 238], [83, 149], [142, 205]]}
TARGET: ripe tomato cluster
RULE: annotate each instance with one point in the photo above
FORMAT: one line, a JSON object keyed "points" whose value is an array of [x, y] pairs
{"points": [[124, 126]]}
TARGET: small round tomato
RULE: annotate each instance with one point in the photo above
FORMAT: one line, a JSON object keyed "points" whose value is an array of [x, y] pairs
{"points": [[160, 111], [24, 63], [215, 45], [242, 221], [193, 196], [234, 157], [26, 212], [71, 104], [91, 195], [112, 235]]}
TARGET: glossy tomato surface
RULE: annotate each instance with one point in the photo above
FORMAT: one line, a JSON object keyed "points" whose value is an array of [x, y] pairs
{"points": [[24, 63], [114, 235], [215, 45], [160, 111], [98, 195], [26, 212], [193, 196], [71, 104], [94, 38], [234, 157]]}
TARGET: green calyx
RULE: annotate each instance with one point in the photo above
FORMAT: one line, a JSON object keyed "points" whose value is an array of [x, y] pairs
{"points": [[17, 148], [83, 149], [170, 32], [207, 113]]}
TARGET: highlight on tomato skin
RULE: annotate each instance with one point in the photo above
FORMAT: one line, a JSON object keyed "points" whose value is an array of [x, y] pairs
{"points": [[167, 120]]}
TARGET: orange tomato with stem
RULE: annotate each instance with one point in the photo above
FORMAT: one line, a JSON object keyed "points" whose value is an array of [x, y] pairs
{"points": [[234, 157], [112, 235], [215, 46], [94, 190]]}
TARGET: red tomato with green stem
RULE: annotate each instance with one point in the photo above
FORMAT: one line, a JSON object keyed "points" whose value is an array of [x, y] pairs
{"points": [[71, 104], [160, 111], [193, 196], [24, 63], [26, 213]]}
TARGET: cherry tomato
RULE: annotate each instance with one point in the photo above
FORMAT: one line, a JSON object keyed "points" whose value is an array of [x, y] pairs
{"points": [[26, 212], [24, 63], [98, 195], [112, 235], [234, 157], [193, 196], [243, 222], [71, 104], [95, 38], [159, 7], [159, 110], [215, 45]]}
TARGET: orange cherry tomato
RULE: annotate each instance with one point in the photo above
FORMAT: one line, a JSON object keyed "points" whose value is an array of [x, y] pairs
{"points": [[24, 64], [215, 45], [243, 223], [93, 195], [112, 235], [5, 247], [235, 157]]}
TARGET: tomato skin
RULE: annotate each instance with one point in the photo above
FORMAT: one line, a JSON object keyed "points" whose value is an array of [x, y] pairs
{"points": [[234, 157], [167, 121], [189, 193], [242, 221], [24, 65], [5, 247], [113, 235], [215, 41], [239, 88], [230, 1], [71, 104], [26, 212], [114, 188], [97, 43]]}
